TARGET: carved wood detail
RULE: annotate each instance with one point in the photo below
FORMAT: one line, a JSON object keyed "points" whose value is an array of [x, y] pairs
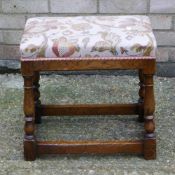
{"points": [[149, 108], [29, 127], [141, 96], [33, 109], [36, 86]]}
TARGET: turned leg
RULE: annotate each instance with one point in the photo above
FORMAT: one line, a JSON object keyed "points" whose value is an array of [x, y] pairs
{"points": [[29, 128], [149, 107], [36, 97], [141, 96]]}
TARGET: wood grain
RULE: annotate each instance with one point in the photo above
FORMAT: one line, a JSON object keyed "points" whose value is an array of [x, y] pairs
{"points": [[33, 109], [89, 147], [90, 109]]}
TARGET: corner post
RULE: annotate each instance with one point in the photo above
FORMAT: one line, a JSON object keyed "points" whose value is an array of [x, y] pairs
{"points": [[29, 128], [149, 125], [36, 86]]}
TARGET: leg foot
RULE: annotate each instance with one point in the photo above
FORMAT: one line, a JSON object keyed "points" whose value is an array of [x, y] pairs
{"points": [[29, 150], [150, 148]]}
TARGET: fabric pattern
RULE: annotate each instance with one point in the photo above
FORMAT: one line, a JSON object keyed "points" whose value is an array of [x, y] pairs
{"points": [[88, 36]]}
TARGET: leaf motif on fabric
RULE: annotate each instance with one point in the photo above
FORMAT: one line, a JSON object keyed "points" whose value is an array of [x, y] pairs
{"points": [[113, 51], [77, 48], [31, 48], [123, 50], [85, 41], [55, 48], [147, 51], [63, 48], [137, 48], [42, 52], [101, 46]]}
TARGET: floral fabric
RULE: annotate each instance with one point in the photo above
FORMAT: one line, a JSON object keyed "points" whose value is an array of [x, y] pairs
{"points": [[88, 36]]}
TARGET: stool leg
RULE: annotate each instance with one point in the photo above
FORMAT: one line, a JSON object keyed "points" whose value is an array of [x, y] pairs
{"points": [[36, 86], [141, 96], [149, 107], [29, 128]]}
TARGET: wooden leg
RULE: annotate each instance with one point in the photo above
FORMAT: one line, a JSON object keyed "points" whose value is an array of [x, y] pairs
{"points": [[36, 97], [29, 128], [141, 96], [149, 107]]}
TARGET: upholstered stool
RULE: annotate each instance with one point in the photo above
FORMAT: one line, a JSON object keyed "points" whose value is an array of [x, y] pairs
{"points": [[88, 43]]}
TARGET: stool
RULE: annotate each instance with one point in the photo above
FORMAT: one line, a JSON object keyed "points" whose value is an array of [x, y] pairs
{"points": [[88, 43]]}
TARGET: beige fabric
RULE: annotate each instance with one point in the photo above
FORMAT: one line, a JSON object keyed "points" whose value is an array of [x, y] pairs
{"points": [[88, 36]]}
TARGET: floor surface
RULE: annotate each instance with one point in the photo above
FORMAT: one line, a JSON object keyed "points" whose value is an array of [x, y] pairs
{"points": [[86, 89]]}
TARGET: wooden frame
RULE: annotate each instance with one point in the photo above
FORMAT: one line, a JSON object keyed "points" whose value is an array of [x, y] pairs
{"points": [[33, 109]]}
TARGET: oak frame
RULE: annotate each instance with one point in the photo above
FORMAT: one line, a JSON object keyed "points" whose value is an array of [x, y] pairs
{"points": [[33, 109]]}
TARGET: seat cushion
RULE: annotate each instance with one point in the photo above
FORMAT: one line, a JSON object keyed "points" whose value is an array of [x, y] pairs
{"points": [[88, 36]]}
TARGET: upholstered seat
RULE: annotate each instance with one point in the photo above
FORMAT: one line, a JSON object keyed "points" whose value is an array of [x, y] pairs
{"points": [[88, 36]]}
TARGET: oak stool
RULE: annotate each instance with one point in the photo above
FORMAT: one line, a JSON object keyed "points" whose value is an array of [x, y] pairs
{"points": [[88, 43]]}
